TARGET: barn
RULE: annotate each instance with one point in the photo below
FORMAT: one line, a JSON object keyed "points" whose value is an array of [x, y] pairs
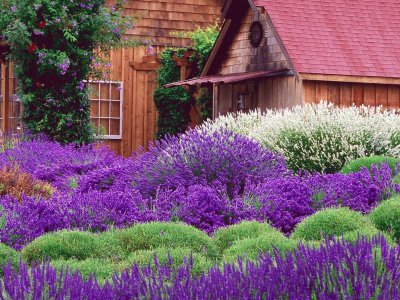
{"points": [[122, 104], [281, 53]]}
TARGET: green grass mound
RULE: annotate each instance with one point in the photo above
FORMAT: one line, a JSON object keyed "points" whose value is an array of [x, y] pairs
{"points": [[154, 235], [330, 222], [367, 232], [177, 257], [252, 248], [67, 245], [386, 217], [103, 269], [356, 165], [227, 236], [7, 255]]}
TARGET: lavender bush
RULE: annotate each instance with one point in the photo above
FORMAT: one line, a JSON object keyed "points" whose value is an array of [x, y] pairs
{"points": [[222, 160], [336, 270]]}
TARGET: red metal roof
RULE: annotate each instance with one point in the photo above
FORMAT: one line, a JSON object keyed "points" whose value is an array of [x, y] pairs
{"points": [[229, 78], [339, 37]]}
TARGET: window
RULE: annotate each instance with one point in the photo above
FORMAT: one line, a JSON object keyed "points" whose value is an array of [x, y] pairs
{"points": [[106, 108]]}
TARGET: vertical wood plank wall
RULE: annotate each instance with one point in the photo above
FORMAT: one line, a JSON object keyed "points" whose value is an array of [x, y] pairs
{"points": [[137, 70], [345, 94], [271, 93]]}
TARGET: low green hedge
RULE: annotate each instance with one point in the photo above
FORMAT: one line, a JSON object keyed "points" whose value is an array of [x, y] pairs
{"points": [[70, 245], [251, 248], [8, 255], [225, 237], [356, 165], [330, 222], [154, 235], [386, 217]]}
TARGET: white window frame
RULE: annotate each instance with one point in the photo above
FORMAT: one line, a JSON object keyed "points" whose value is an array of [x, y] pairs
{"points": [[120, 100]]}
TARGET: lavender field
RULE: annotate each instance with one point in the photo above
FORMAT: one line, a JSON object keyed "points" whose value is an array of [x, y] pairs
{"points": [[191, 214]]}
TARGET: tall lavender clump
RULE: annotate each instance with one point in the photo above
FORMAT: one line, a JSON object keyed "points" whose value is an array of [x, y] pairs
{"points": [[222, 160], [96, 210], [55, 163], [25, 221], [283, 202], [360, 191], [336, 270]]}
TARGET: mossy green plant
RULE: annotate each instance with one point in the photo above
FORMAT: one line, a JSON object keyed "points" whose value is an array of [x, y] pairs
{"points": [[172, 257], [386, 217], [8, 255], [252, 248], [225, 237], [67, 244], [330, 222], [154, 235], [367, 162]]}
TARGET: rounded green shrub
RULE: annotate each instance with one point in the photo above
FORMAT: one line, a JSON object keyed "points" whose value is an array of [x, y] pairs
{"points": [[103, 269], [154, 235], [252, 248], [367, 232], [227, 236], [386, 217], [8, 255], [356, 165], [70, 245], [330, 222], [177, 256]]}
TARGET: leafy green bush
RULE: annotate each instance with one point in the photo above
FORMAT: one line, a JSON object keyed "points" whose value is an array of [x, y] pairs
{"points": [[53, 44], [7, 255], [386, 217], [330, 222], [251, 248], [367, 232], [177, 256], [103, 269], [70, 245], [356, 165], [150, 236], [227, 236], [173, 104]]}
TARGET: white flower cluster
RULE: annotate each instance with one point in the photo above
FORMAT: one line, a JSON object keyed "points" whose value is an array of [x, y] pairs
{"points": [[319, 137]]}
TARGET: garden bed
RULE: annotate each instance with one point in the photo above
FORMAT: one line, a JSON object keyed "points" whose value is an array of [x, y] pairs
{"points": [[191, 205]]}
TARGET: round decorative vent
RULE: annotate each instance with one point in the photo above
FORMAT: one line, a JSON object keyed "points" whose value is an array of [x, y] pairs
{"points": [[256, 33]]}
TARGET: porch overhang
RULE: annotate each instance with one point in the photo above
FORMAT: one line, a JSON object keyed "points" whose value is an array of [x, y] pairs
{"points": [[230, 78]]}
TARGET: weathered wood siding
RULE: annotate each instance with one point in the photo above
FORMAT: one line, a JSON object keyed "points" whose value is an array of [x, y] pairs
{"points": [[242, 57], [347, 93], [157, 19], [270, 93]]}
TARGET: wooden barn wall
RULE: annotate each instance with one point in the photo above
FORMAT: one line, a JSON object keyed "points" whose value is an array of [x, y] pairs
{"points": [[345, 94], [242, 57], [157, 19], [270, 93]]}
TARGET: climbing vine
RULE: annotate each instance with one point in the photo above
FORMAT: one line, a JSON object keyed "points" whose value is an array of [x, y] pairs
{"points": [[53, 47], [173, 104]]}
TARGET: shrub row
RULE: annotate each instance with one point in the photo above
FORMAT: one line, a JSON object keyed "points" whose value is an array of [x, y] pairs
{"points": [[118, 249]]}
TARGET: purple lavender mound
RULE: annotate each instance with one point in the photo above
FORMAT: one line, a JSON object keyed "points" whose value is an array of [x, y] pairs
{"points": [[338, 270]]}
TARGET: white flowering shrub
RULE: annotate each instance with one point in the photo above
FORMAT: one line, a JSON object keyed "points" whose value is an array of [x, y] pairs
{"points": [[319, 137]]}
